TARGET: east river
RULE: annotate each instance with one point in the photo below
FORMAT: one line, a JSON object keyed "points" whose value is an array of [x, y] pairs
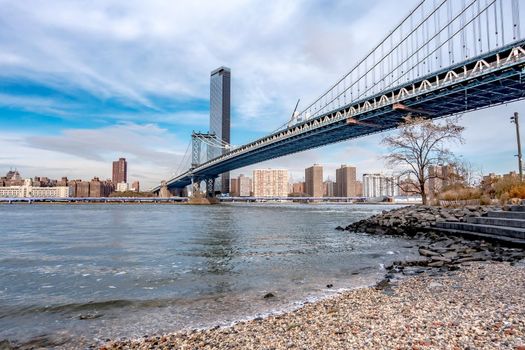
{"points": [[75, 275]]}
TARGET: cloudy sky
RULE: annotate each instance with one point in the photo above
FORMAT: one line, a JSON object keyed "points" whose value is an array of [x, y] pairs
{"points": [[85, 82]]}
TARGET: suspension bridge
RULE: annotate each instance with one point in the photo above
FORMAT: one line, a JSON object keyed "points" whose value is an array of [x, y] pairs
{"points": [[445, 57]]}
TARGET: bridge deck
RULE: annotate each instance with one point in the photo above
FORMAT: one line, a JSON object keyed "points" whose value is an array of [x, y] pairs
{"points": [[493, 78]]}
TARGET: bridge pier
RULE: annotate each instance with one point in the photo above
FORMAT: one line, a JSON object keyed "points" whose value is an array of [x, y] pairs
{"points": [[195, 185], [210, 187]]}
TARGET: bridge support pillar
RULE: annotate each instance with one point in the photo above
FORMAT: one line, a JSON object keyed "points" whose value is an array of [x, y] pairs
{"points": [[210, 187], [195, 186]]}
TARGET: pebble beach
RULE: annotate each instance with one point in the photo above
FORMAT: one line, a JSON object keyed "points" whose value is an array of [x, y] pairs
{"points": [[479, 306]]}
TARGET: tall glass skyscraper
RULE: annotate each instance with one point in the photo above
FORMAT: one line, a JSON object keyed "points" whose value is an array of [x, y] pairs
{"points": [[220, 118]]}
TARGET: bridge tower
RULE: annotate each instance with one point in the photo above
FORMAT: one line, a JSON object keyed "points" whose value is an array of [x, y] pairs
{"points": [[197, 141]]}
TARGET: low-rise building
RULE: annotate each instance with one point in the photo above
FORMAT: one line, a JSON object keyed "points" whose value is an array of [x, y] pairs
{"points": [[379, 185], [27, 190], [135, 186], [298, 187], [122, 187]]}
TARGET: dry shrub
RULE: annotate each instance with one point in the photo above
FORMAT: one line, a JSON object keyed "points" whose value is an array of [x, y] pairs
{"points": [[505, 184], [517, 191], [460, 194], [485, 200], [504, 198]]}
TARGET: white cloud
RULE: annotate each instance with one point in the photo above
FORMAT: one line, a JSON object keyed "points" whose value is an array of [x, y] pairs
{"points": [[152, 152], [278, 51], [134, 51]]}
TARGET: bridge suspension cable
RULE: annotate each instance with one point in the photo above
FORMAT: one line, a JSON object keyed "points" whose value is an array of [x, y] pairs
{"points": [[422, 43], [182, 163], [392, 83]]}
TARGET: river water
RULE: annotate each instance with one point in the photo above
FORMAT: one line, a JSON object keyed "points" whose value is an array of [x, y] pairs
{"points": [[74, 275]]}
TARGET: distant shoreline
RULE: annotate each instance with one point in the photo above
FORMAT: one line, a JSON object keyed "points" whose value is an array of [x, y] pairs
{"points": [[182, 200]]}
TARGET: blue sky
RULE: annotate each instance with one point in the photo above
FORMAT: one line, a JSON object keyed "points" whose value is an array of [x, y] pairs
{"points": [[83, 83]]}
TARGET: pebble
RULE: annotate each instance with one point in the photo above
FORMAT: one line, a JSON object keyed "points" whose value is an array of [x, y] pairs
{"points": [[416, 314]]}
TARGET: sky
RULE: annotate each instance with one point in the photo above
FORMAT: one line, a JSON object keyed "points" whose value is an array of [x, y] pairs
{"points": [[83, 83]]}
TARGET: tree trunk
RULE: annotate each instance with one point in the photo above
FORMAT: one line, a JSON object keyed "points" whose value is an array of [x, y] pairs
{"points": [[423, 193]]}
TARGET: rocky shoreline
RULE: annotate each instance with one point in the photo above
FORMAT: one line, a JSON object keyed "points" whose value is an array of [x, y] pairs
{"points": [[411, 220], [437, 250]]}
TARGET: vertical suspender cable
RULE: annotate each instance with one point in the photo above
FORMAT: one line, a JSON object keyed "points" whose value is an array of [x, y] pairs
{"points": [[487, 23], [516, 19], [474, 34], [501, 19], [410, 66], [391, 58], [496, 24], [416, 65], [479, 27], [429, 59], [344, 91], [373, 69], [463, 31], [438, 38], [400, 45], [358, 80], [382, 69], [449, 33], [366, 73]]}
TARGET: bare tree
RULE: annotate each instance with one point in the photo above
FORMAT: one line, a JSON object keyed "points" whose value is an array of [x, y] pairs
{"points": [[467, 173], [418, 144]]}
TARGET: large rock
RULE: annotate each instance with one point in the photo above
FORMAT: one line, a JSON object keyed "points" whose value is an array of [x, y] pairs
{"points": [[409, 220]]}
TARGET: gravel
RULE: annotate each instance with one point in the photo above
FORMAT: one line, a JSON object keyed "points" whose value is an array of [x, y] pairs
{"points": [[479, 306]]}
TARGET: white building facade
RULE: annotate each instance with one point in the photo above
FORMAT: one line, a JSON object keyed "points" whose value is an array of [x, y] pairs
{"points": [[29, 191], [122, 187], [379, 185]]}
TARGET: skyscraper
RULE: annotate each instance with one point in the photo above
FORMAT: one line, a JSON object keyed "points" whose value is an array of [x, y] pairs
{"points": [[345, 180], [313, 183], [220, 118], [120, 171]]}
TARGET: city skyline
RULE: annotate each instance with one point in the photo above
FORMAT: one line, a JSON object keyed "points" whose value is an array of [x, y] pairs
{"points": [[64, 114]]}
